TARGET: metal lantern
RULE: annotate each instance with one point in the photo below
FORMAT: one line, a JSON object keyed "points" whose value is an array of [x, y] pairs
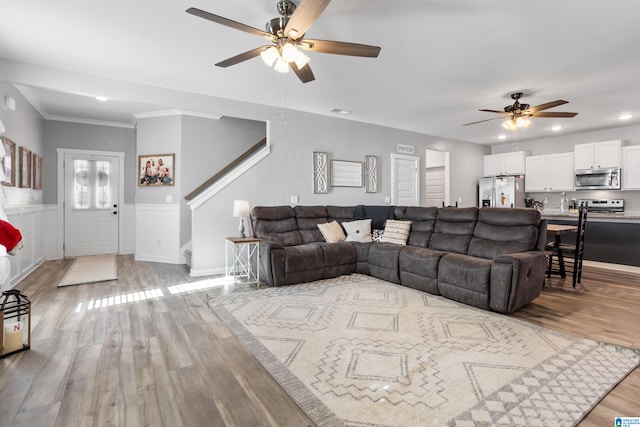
{"points": [[15, 322]]}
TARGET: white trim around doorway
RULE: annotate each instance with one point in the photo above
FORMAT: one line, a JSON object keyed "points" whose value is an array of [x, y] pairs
{"points": [[121, 218]]}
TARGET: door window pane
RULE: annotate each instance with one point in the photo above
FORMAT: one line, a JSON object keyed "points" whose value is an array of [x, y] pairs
{"points": [[92, 184]]}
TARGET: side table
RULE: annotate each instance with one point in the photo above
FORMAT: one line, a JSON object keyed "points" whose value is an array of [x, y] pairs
{"points": [[240, 255]]}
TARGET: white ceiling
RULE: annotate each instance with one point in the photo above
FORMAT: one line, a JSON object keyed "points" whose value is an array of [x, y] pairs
{"points": [[441, 60]]}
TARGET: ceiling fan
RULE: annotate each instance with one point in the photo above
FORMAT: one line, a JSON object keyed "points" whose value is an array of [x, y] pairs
{"points": [[286, 33], [517, 115]]}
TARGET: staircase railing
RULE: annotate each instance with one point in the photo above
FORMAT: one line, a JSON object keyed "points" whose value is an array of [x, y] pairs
{"points": [[227, 169]]}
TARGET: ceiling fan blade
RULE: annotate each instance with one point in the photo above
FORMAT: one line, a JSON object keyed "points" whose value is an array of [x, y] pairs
{"points": [[553, 114], [229, 23], [495, 111], [241, 58], [482, 121], [304, 16], [340, 48], [304, 74], [547, 105]]}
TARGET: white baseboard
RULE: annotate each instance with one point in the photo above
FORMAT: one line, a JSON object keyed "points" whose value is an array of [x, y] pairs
{"points": [[206, 272], [610, 266]]}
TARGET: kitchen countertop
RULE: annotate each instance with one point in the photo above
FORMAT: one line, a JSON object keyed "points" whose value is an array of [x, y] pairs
{"points": [[626, 216]]}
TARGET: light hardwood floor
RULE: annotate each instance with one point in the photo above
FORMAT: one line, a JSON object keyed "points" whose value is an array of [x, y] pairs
{"points": [[166, 360]]}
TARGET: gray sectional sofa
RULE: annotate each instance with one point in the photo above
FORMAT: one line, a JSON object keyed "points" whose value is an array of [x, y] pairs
{"points": [[490, 258]]}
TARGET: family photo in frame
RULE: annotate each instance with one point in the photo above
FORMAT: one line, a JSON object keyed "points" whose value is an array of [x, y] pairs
{"points": [[156, 170]]}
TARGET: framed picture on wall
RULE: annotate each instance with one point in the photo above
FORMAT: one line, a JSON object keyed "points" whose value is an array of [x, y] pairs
{"points": [[346, 174], [9, 162], [156, 170], [37, 172], [25, 167]]}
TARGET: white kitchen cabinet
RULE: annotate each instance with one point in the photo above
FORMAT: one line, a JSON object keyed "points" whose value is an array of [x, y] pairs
{"points": [[504, 164], [535, 176], [631, 167], [597, 155], [552, 172]]}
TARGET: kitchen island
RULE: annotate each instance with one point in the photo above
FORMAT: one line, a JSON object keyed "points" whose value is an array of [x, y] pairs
{"points": [[610, 237]]}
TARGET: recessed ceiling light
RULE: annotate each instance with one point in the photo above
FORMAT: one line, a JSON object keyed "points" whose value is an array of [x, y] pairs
{"points": [[102, 98], [502, 136], [340, 111], [556, 128], [625, 116]]}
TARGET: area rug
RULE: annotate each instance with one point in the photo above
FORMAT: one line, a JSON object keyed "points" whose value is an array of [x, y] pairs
{"points": [[358, 351], [90, 269]]}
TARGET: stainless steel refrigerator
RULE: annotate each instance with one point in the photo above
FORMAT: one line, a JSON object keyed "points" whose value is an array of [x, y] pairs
{"points": [[501, 192]]}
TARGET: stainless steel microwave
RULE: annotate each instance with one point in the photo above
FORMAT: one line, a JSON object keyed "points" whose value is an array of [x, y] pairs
{"points": [[598, 179]]}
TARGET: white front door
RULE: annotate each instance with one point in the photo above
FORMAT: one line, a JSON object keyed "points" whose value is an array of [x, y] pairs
{"points": [[404, 180], [90, 204]]}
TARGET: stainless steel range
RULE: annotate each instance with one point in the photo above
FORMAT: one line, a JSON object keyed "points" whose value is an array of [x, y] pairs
{"points": [[603, 205]]}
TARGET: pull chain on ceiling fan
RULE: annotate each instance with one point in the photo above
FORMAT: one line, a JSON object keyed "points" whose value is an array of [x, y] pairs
{"points": [[286, 33], [517, 115]]}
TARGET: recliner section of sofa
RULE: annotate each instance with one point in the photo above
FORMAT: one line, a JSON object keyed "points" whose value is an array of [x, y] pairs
{"points": [[490, 258]]}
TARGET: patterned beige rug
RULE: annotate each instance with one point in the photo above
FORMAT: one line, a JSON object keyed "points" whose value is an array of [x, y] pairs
{"points": [[358, 351], [90, 269]]}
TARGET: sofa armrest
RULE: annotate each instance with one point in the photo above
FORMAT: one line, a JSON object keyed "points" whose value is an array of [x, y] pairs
{"points": [[272, 263], [516, 280]]}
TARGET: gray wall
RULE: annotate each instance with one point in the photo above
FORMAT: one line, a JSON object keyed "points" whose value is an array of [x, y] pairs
{"points": [[207, 147], [203, 146], [24, 127], [87, 137], [288, 171]]}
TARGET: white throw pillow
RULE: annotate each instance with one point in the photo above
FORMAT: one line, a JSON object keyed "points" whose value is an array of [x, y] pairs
{"points": [[332, 232], [396, 232], [358, 231]]}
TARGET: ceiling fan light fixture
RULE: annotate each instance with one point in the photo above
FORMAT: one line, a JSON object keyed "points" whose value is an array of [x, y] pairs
{"points": [[301, 60], [523, 122], [289, 52], [270, 55], [282, 66]]}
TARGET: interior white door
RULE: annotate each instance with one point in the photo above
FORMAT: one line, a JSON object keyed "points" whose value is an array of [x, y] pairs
{"points": [[434, 186], [405, 186], [436, 178], [90, 204]]}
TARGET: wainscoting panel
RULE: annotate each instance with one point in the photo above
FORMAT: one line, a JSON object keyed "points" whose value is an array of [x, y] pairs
{"points": [[30, 221], [157, 233]]}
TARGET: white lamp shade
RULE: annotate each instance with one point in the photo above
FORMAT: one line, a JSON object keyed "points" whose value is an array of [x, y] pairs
{"points": [[2, 129], [269, 55], [240, 208], [281, 66], [301, 60]]}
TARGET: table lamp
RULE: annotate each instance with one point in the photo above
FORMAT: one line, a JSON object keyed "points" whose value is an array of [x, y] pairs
{"points": [[241, 210]]}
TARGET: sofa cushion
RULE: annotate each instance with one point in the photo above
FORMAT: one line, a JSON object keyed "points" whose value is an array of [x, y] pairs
{"points": [[378, 214], [338, 253], [423, 220], [303, 257], [465, 279], [383, 261], [308, 218], [341, 213], [276, 223], [396, 232], [503, 231], [358, 231], [454, 229], [419, 268], [332, 232]]}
